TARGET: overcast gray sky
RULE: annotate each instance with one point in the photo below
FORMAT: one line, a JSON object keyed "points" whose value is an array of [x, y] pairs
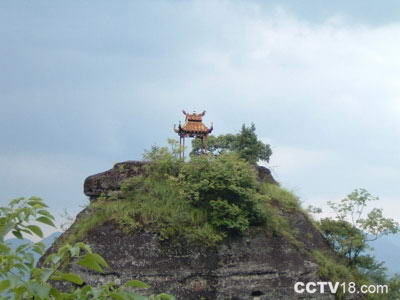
{"points": [[86, 84]]}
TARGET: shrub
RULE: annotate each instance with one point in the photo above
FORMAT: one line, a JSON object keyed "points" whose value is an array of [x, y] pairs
{"points": [[228, 217], [201, 201], [226, 186]]}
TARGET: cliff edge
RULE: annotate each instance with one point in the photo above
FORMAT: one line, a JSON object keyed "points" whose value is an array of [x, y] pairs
{"points": [[260, 263]]}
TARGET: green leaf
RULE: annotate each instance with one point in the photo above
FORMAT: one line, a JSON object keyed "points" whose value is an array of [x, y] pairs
{"points": [[56, 294], [46, 221], [38, 248], [96, 292], [117, 296], [17, 234], [4, 284], [45, 274], [74, 278], [5, 227], [53, 258], [164, 296], [64, 249], [4, 248], [84, 246], [98, 259], [36, 230], [22, 247], [75, 251], [137, 284], [19, 291], [86, 289], [37, 204], [45, 213], [37, 289], [89, 263], [135, 296], [14, 280], [26, 231]]}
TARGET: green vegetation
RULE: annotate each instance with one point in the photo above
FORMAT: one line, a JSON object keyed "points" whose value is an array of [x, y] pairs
{"points": [[202, 201], [330, 268], [21, 279], [348, 234], [282, 197], [334, 268], [244, 143], [225, 186]]}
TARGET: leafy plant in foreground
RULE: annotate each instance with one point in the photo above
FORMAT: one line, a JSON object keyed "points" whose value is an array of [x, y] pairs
{"points": [[21, 279]]}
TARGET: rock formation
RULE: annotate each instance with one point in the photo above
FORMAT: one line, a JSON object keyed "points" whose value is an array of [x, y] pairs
{"points": [[257, 265], [110, 181]]}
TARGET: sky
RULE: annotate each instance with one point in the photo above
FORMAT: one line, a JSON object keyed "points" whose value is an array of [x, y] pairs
{"points": [[86, 84]]}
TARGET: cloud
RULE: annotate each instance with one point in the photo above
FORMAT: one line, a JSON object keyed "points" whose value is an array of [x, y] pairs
{"points": [[87, 85], [292, 161], [58, 179]]}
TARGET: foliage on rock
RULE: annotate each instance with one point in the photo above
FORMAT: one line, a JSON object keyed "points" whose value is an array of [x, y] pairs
{"points": [[21, 279], [245, 144], [201, 201], [225, 186]]}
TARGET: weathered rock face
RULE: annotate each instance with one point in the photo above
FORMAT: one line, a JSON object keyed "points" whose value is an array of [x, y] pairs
{"points": [[110, 181], [264, 174], [258, 265], [254, 265]]}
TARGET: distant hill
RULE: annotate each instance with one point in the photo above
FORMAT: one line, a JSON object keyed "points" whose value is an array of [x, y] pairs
{"points": [[14, 243], [47, 241], [387, 249]]}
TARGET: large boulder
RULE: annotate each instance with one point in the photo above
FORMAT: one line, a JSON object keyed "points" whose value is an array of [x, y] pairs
{"points": [[110, 181], [259, 264]]}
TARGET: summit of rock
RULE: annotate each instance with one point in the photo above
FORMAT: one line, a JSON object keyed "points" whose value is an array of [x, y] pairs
{"points": [[258, 264]]}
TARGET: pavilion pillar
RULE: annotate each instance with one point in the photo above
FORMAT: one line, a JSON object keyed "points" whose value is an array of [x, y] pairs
{"points": [[183, 149], [180, 147]]}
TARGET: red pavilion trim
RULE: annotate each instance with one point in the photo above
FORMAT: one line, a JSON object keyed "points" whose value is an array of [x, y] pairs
{"points": [[193, 127]]}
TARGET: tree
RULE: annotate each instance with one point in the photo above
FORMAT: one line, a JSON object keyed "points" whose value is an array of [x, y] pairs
{"points": [[21, 279], [225, 187], [245, 143], [351, 229], [349, 233]]}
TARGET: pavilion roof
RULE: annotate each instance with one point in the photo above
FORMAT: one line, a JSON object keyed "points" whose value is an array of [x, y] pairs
{"points": [[193, 125]]}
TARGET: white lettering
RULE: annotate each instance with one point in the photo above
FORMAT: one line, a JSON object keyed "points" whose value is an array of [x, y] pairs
{"points": [[311, 287], [322, 285], [333, 288], [297, 288]]}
